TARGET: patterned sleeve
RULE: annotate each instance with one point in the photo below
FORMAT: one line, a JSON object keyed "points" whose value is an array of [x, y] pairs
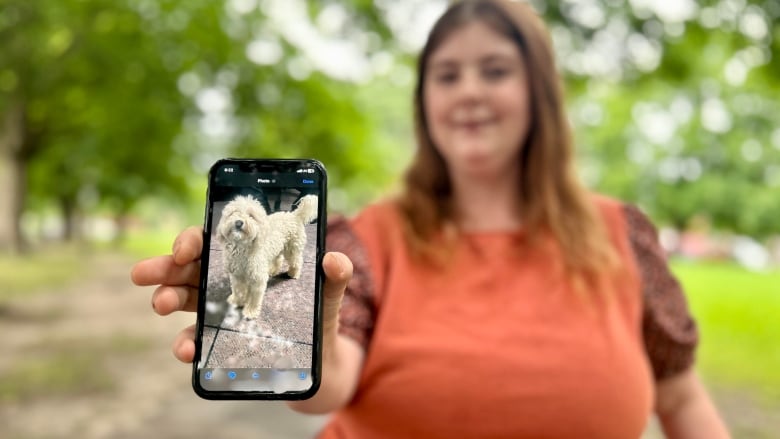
{"points": [[669, 331], [358, 310]]}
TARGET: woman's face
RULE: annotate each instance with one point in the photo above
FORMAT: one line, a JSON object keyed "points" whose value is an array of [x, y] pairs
{"points": [[476, 102]]}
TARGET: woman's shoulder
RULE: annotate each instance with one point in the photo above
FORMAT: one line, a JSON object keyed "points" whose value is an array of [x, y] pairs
{"points": [[379, 217], [383, 209], [370, 239], [379, 221], [629, 215], [606, 203], [612, 211]]}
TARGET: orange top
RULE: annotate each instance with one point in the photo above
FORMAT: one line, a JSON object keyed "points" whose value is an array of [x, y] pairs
{"points": [[496, 346]]}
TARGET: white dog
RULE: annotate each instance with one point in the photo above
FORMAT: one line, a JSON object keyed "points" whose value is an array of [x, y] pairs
{"points": [[256, 244]]}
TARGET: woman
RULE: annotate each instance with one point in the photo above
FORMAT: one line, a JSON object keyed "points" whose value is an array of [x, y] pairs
{"points": [[495, 297]]}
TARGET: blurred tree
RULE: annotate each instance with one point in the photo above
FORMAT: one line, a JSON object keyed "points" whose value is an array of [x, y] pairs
{"points": [[676, 104], [106, 102]]}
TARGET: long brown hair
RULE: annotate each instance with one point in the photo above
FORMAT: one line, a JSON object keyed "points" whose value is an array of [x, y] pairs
{"points": [[553, 202]]}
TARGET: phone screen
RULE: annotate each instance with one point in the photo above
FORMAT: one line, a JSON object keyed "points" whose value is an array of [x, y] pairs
{"points": [[258, 318]]}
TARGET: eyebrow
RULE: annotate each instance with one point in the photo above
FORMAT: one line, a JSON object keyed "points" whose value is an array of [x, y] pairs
{"points": [[490, 58]]}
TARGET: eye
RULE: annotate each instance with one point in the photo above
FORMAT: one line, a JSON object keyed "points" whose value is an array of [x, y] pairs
{"points": [[494, 73], [446, 77]]}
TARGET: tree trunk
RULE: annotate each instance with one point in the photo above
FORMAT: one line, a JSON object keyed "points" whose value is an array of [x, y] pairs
{"points": [[69, 218], [13, 178], [122, 221]]}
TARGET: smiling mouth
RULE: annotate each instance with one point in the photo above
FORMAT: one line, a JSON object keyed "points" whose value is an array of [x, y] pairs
{"points": [[473, 125]]}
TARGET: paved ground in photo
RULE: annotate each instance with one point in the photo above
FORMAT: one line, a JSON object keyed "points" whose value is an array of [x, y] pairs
{"points": [[281, 335]]}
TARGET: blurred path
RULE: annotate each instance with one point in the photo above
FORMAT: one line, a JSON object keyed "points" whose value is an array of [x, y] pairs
{"points": [[152, 395]]}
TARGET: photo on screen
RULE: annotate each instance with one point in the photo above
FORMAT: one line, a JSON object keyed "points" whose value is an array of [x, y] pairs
{"points": [[239, 337]]}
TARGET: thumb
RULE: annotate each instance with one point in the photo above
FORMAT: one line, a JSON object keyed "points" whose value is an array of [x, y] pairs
{"points": [[338, 272]]}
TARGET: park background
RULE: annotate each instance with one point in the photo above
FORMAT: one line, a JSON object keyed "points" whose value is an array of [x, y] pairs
{"points": [[111, 111]]}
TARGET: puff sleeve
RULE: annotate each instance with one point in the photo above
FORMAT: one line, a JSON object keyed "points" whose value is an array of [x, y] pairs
{"points": [[358, 309], [669, 331]]}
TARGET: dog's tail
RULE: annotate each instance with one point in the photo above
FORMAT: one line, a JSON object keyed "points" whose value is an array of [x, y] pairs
{"points": [[307, 209]]}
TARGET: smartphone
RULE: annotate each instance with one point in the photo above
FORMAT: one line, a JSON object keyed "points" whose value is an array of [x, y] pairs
{"points": [[258, 326]]}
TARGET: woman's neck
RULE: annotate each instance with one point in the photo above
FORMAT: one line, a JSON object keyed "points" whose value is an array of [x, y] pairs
{"points": [[482, 205]]}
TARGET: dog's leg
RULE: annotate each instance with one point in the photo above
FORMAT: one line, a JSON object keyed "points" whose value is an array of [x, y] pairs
{"points": [[239, 289], [296, 264], [254, 302], [294, 255], [276, 266]]}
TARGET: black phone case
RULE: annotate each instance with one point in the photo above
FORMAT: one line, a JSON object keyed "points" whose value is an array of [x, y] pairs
{"points": [[316, 367]]}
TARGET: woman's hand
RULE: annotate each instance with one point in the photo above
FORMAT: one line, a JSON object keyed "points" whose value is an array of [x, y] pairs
{"points": [[177, 276]]}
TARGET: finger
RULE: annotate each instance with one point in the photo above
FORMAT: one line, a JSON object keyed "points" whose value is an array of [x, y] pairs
{"points": [[162, 270], [188, 245], [167, 299], [184, 345], [338, 272]]}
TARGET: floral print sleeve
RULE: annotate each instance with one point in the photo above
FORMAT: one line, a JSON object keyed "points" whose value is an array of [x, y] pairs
{"points": [[358, 310], [670, 332]]}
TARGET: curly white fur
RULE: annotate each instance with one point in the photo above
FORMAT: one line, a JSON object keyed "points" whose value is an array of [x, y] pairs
{"points": [[256, 245]]}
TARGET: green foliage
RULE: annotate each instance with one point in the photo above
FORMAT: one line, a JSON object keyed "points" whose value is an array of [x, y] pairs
{"points": [[130, 99], [101, 105], [693, 132], [135, 98]]}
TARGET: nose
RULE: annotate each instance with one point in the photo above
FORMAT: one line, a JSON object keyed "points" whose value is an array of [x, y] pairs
{"points": [[239, 224], [470, 86]]}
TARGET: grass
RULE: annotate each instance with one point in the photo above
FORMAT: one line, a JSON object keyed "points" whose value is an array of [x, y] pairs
{"points": [[54, 266], [147, 243], [737, 312], [58, 374], [67, 368]]}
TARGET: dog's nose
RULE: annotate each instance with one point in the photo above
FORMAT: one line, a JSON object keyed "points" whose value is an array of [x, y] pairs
{"points": [[239, 224]]}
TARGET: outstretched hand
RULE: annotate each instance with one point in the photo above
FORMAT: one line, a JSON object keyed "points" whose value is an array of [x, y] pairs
{"points": [[177, 276]]}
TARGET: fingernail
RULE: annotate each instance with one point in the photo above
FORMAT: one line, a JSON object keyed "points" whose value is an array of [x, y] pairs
{"points": [[176, 245]]}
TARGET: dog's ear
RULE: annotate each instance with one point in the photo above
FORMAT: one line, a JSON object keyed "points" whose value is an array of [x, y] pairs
{"points": [[226, 211], [257, 206], [257, 211]]}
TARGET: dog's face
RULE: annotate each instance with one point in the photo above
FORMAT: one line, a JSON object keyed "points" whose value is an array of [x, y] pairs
{"points": [[243, 219]]}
